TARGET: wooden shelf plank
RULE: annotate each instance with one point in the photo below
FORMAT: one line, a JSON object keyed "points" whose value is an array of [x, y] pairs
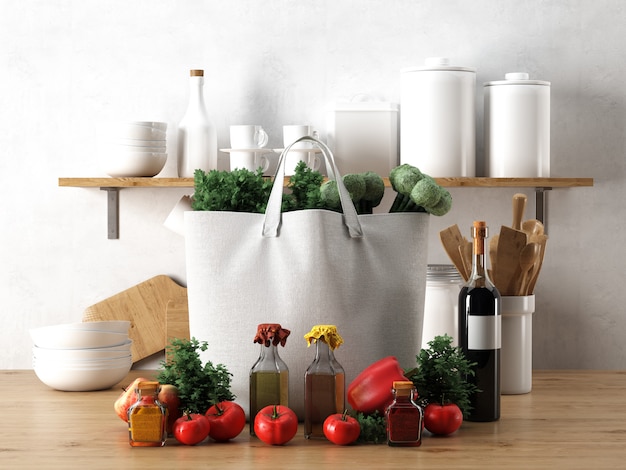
{"points": [[113, 186], [127, 182], [480, 182]]}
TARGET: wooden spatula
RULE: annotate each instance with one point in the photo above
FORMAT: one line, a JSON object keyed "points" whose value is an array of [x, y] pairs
{"points": [[541, 240], [519, 206], [452, 239], [510, 244]]}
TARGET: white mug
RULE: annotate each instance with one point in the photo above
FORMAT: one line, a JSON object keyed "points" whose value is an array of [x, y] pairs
{"points": [[248, 160], [247, 137], [291, 133]]}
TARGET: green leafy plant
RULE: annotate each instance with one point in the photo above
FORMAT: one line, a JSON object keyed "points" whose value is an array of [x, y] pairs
{"points": [[240, 190], [199, 386], [440, 375], [373, 428], [304, 185]]}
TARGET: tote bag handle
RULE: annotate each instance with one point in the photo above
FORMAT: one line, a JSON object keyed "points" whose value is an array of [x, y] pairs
{"points": [[273, 215]]}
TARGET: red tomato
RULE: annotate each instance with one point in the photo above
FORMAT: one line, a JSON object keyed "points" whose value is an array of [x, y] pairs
{"points": [[227, 420], [442, 419], [275, 424], [191, 428], [341, 429]]}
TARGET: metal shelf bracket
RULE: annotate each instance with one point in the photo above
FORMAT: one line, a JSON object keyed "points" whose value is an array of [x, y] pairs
{"points": [[540, 206], [113, 213]]}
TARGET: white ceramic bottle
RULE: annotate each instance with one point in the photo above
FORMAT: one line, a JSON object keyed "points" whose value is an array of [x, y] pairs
{"points": [[437, 122], [197, 138], [517, 127]]}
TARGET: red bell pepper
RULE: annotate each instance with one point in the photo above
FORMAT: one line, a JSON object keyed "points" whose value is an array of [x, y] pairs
{"points": [[371, 391]]}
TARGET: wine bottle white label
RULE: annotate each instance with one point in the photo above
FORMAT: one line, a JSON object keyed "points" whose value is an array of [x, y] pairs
{"points": [[484, 332]]}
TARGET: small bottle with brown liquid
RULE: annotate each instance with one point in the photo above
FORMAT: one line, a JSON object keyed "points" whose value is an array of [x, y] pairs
{"points": [[147, 417], [324, 381], [269, 376]]}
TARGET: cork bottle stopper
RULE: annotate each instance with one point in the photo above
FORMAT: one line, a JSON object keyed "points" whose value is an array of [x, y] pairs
{"points": [[196, 73]]}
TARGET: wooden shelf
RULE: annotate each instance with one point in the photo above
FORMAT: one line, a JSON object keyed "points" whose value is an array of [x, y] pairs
{"points": [[446, 182], [113, 185]]}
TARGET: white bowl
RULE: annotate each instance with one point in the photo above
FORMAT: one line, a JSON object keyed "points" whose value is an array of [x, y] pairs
{"points": [[84, 363], [87, 352], [135, 143], [80, 354], [79, 379], [53, 337], [156, 124], [133, 131], [133, 149], [117, 326], [130, 164]]}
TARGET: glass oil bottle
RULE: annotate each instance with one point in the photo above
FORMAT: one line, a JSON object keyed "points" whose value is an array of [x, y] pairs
{"points": [[324, 381], [269, 376]]}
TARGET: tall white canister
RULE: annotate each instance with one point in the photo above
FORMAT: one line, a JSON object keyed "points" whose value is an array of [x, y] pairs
{"points": [[517, 127], [437, 118], [441, 301]]}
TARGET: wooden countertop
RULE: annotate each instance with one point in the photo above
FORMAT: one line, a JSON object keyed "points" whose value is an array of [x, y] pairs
{"points": [[571, 420]]}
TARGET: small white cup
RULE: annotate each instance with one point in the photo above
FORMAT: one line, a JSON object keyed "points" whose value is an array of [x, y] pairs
{"points": [[249, 160], [291, 133], [247, 137]]}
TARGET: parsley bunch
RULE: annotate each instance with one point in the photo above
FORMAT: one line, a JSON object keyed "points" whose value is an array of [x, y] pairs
{"points": [[373, 428], [240, 190], [441, 374], [305, 189], [199, 386]]}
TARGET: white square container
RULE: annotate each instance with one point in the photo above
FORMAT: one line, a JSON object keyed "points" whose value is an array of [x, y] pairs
{"points": [[364, 136]]}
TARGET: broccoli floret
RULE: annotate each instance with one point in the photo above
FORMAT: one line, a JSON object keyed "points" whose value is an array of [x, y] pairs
{"points": [[425, 195], [444, 204], [404, 177], [329, 195], [374, 192], [355, 184], [426, 192]]}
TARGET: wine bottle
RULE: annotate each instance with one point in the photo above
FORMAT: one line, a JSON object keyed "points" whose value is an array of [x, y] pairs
{"points": [[480, 326], [197, 138]]}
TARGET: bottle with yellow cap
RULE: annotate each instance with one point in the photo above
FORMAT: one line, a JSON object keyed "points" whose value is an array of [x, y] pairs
{"points": [[147, 417], [324, 380]]}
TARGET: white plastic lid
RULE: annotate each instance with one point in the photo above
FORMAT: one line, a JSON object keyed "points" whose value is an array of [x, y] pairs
{"points": [[517, 78], [438, 63]]}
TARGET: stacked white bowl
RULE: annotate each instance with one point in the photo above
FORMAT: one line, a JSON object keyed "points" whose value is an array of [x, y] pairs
{"points": [[135, 148], [80, 357]]}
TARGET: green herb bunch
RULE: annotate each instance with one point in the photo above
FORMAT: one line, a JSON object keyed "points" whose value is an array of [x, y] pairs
{"points": [[441, 374], [373, 428], [199, 386], [240, 190], [305, 193]]}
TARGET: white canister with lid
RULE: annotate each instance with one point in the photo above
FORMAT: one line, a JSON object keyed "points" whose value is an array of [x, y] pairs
{"points": [[517, 127], [441, 303], [437, 123]]}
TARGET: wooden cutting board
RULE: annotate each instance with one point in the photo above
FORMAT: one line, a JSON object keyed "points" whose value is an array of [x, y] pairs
{"points": [[145, 306]]}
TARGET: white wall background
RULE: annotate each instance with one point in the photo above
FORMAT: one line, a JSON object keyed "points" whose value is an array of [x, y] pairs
{"points": [[69, 65]]}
